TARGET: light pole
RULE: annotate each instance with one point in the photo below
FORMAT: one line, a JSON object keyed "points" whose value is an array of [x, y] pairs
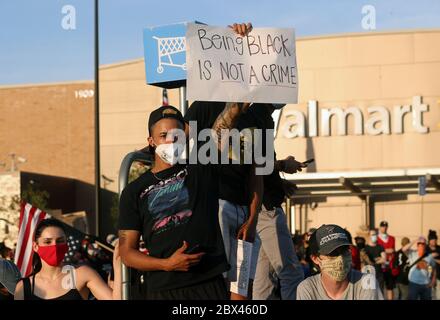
{"points": [[97, 145]]}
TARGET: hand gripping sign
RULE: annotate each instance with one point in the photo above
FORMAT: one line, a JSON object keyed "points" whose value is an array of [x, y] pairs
{"points": [[223, 66]]}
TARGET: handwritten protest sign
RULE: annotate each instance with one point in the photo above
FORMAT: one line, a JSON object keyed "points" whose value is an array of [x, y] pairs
{"points": [[223, 66]]}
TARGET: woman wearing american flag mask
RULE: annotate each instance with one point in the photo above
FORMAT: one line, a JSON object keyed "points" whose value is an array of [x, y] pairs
{"points": [[52, 280]]}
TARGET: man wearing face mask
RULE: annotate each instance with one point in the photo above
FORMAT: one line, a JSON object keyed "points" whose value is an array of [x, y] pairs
{"points": [[330, 250], [174, 207], [388, 243], [376, 256]]}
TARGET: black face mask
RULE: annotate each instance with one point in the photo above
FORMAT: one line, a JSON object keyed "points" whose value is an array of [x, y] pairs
{"points": [[360, 244]]}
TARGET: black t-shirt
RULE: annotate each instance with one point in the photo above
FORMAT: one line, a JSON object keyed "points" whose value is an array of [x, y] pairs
{"points": [[437, 250], [273, 185], [175, 205], [403, 264], [234, 185], [374, 252]]}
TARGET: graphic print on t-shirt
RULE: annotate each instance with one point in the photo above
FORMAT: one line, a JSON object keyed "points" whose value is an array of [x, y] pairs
{"points": [[168, 203], [246, 142]]}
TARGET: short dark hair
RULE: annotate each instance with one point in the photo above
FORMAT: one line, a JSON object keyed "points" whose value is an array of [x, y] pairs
{"points": [[313, 245]]}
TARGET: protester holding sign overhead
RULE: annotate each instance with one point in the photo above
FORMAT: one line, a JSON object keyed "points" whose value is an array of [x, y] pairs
{"points": [[240, 192], [224, 65]]}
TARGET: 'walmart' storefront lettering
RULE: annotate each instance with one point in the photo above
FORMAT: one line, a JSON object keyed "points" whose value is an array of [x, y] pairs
{"points": [[379, 120]]}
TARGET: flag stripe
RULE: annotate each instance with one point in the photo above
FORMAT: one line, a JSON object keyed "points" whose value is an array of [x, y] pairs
{"points": [[22, 205], [27, 260], [29, 214], [22, 236], [42, 215], [29, 218], [164, 97]]}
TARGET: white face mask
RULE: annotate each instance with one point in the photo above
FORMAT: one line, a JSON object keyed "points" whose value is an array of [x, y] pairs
{"points": [[170, 152], [373, 239]]}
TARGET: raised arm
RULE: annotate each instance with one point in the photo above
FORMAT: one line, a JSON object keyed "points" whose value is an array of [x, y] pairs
{"points": [[227, 120], [406, 248], [229, 116]]}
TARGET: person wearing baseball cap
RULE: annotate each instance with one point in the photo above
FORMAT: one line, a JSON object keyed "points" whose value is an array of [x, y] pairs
{"points": [[330, 251], [9, 276], [389, 271], [422, 271], [174, 208], [434, 248]]}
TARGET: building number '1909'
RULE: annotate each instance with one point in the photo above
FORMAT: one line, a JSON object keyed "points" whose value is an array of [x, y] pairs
{"points": [[84, 94]]}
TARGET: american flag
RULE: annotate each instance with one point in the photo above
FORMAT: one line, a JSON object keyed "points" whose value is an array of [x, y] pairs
{"points": [[164, 97], [30, 216]]}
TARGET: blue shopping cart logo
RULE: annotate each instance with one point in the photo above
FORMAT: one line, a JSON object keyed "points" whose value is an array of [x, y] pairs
{"points": [[166, 49], [165, 55]]}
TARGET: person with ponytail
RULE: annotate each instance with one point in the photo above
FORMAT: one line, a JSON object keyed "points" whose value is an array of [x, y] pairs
{"points": [[52, 280]]}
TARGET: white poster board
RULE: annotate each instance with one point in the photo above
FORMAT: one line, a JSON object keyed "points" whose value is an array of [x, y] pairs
{"points": [[223, 66], [244, 255]]}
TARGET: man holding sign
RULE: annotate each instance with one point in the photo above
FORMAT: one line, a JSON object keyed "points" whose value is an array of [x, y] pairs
{"points": [[240, 193], [258, 67]]}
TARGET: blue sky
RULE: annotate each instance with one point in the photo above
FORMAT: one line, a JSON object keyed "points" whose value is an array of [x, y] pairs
{"points": [[35, 48]]}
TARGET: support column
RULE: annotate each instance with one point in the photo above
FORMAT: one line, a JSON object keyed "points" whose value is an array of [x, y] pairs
{"points": [[289, 214], [369, 211]]}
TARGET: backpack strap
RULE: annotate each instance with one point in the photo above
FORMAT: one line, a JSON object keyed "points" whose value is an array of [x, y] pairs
{"points": [[418, 260], [27, 288]]}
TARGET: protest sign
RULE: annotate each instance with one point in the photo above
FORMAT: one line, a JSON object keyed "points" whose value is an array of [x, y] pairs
{"points": [[224, 66]]}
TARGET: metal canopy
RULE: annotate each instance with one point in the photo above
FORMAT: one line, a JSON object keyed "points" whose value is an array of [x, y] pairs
{"points": [[364, 183]]}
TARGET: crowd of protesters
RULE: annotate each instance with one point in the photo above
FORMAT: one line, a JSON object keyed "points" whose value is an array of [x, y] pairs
{"points": [[410, 272], [180, 225]]}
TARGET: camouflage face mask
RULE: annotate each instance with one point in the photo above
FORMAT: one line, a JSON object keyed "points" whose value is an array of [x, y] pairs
{"points": [[336, 268]]}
